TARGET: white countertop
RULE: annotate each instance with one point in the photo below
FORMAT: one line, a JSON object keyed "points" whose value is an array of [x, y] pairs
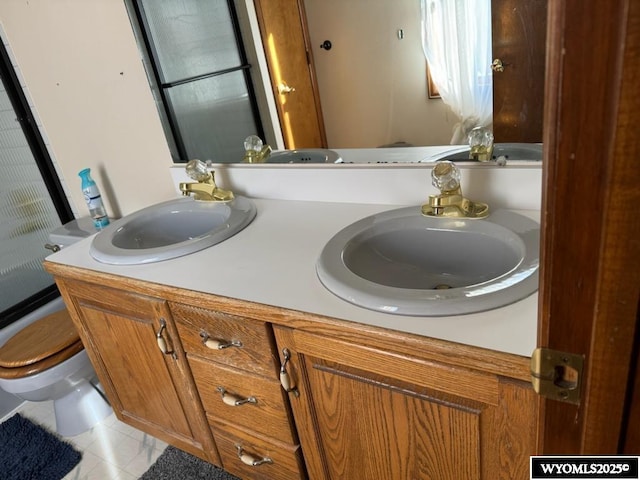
{"points": [[272, 262]]}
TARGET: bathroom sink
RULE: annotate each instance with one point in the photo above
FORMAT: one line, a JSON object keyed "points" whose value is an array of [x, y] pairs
{"points": [[309, 155], [510, 151], [171, 229], [404, 263]]}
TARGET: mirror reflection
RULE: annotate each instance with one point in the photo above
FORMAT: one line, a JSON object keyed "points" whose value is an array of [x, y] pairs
{"points": [[305, 74], [373, 82], [371, 71]]}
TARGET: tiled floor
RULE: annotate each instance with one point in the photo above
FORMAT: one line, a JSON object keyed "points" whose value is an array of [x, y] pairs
{"points": [[111, 450]]}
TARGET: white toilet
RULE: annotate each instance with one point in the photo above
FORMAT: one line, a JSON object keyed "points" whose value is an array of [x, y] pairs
{"points": [[42, 358]]}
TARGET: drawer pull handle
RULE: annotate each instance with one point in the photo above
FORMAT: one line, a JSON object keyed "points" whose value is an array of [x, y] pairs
{"points": [[215, 344], [285, 378], [249, 459], [234, 400]]}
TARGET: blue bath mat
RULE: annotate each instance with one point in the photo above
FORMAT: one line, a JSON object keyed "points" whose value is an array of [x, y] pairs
{"points": [[174, 464], [30, 452]]}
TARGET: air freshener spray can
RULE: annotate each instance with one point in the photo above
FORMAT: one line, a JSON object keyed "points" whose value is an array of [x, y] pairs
{"points": [[92, 196]]}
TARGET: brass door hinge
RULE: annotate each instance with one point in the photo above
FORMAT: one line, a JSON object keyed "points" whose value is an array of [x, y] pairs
{"points": [[557, 375]]}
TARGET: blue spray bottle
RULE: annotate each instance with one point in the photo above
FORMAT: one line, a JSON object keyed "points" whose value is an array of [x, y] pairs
{"points": [[93, 199]]}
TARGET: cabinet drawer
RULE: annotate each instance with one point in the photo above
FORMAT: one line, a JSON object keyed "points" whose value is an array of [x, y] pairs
{"points": [[250, 341], [268, 415], [285, 460]]}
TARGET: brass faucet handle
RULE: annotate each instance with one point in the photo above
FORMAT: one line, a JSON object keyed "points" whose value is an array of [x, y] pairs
{"points": [[450, 202], [481, 144], [197, 170], [255, 150], [205, 188], [445, 176], [221, 195], [218, 194]]}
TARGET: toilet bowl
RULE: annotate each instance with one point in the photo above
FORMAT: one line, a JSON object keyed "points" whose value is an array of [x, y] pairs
{"points": [[42, 358]]}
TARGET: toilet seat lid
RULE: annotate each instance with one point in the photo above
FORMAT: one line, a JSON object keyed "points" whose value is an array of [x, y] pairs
{"points": [[42, 339]]}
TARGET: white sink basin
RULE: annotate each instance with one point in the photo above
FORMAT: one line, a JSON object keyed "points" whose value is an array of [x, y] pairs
{"points": [[171, 229], [308, 155], [404, 263]]}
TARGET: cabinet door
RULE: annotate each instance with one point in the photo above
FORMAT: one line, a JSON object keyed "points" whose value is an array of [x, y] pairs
{"points": [[148, 389], [362, 413]]}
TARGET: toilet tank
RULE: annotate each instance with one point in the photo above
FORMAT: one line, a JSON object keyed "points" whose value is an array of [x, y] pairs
{"points": [[72, 232]]}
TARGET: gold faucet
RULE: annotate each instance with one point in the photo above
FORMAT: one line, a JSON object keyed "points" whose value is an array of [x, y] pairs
{"points": [[253, 156], [205, 187], [451, 203], [255, 151], [480, 144]]}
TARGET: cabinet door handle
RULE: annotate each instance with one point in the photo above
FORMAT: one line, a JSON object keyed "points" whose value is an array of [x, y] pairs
{"points": [[162, 343], [234, 400], [251, 460], [216, 344], [285, 378]]}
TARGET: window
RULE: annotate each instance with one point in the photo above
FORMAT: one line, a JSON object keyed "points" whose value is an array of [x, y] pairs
{"points": [[32, 203], [199, 74]]}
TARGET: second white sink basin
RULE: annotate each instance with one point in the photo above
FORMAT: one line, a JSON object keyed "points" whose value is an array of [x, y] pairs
{"points": [[404, 263], [171, 229]]}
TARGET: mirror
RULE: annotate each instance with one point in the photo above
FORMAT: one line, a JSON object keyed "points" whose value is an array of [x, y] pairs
{"points": [[372, 75], [371, 86]]}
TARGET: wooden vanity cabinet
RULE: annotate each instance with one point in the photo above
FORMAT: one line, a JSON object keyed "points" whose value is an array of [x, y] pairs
{"points": [[236, 370], [366, 403], [148, 389], [365, 413]]}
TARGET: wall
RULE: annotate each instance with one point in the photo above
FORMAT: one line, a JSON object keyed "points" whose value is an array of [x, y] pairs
{"points": [[516, 186], [373, 85], [80, 64]]}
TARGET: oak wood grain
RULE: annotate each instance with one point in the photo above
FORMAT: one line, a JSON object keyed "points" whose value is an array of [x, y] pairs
{"points": [[513, 366], [286, 459], [446, 378], [422, 399], [255, 353], [399, 421], [46, 337], [145, 387], [269, 415]]}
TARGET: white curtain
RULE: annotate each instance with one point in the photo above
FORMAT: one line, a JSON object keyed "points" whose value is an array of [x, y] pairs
{"points": [[456, 37]]}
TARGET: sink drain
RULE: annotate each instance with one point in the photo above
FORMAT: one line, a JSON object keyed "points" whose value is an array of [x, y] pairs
{"points": [[442, 286]]}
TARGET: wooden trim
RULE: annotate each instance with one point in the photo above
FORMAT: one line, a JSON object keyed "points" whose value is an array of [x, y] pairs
{"points": [[630, 443], [420, 347], [464, 383], [432, 88], [590, 258]]}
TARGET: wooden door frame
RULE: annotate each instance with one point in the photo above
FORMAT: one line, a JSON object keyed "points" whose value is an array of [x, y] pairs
{"points": [[590, 263]]}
